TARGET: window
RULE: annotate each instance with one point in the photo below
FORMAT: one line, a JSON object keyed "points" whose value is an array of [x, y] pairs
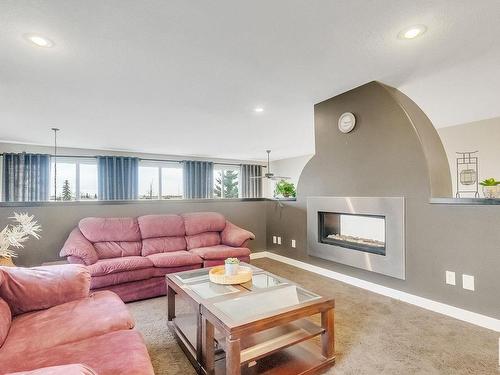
{"points": [[226, 182], [148, 182], [76, 179], [88, 180], [159, 180], [171, 182]]}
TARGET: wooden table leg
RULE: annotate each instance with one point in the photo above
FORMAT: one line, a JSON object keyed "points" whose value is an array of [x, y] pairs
{"points": [[170, 303], [208, 346], [328, 337], [233, 358]]}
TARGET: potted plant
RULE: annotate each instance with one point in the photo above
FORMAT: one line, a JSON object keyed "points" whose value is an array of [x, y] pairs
{"points": [[285, 189], [232, 265], [490, 188], [14, 235]]}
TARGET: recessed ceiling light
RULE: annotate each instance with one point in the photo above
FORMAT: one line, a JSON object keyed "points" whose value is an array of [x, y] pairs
{"points": [[39, 40], [412, 32], [258, 109]]}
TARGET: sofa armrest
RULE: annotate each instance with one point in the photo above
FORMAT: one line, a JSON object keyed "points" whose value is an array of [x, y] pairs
{"points": [[232, 235], [78, 246], [73, 369], [37, 288]]}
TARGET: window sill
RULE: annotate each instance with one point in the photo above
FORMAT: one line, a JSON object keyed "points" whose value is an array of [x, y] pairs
{"points": [[118, 202], [466, 201]]}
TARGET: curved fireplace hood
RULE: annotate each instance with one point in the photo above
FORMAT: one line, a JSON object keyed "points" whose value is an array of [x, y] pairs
{"points": [[394, 150]]}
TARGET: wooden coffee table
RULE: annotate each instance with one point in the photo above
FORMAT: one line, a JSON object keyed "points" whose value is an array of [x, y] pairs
{"points": [[262, 326]]}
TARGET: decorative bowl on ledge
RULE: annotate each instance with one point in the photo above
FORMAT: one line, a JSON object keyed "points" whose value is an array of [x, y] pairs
{"points": [[491, 192]]}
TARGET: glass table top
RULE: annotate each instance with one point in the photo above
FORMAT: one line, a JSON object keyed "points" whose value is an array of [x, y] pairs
{"points": [[193, 276], [254, 304], [208, 289], [262, 281]]}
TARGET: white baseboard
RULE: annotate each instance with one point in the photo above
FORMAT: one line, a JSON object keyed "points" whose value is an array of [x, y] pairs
{"points": [[454, 312]]}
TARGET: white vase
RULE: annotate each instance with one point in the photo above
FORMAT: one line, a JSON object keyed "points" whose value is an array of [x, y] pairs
{"points": [[232, 269]]}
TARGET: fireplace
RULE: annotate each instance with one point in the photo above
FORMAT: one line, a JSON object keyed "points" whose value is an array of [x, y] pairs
{"points": [[362, 232], [351, 231]]}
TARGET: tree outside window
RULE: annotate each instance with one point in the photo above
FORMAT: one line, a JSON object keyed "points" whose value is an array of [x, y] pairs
{"points": [[226, 183]]}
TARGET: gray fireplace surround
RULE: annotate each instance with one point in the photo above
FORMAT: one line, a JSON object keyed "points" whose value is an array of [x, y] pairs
{"points": [[383, 217]]}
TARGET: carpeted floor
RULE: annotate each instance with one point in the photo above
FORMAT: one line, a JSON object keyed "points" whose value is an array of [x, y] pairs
{"points": [[374, 334]]}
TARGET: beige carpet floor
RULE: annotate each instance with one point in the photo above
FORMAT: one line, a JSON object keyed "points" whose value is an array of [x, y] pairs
{"points": [[374, 334]]}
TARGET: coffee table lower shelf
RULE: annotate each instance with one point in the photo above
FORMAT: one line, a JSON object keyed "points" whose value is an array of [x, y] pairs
{"points": [[301, 359]]}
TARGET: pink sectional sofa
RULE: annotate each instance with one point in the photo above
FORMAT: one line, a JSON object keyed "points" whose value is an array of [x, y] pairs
{"points": [[50, 324], [130, 256]]}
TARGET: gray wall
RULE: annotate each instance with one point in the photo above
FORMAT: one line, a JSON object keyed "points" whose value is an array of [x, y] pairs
{"points": [[58, 219], [482, 136], [383, 156]]}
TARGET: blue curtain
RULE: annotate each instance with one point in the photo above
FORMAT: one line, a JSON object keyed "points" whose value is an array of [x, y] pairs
{"points": [[198, 179], [251, 187], [118, 177], [25, 177]]}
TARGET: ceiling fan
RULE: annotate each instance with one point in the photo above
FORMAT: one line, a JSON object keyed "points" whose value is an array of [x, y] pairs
{"points": [[269, 175]]}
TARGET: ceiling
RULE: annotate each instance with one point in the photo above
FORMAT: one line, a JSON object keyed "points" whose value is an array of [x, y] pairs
{"points": [[183, 76]]}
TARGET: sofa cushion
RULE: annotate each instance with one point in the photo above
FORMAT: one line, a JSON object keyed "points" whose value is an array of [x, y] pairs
{"points": [[114, 265], [161, 226], [102, 229], [121, 277], [37, 288], [162, 245], [174, 259], [220, 252], [120, 352], [5, 320], [76, 369], [115, 249], [100, 313], [203, 240], [200, 222]]}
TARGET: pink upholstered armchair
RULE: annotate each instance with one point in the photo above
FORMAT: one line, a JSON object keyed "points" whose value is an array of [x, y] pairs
{"points": [[50, 324]]}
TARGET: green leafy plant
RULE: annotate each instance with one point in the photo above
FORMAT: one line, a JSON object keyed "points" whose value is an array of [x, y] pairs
{"points": [[285, 189], [489, 182], [232, 261]]}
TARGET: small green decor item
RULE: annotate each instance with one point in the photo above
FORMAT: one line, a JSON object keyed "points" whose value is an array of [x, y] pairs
{"points": [[490, 188], [232, 266], [285, 189], [489, 182]]}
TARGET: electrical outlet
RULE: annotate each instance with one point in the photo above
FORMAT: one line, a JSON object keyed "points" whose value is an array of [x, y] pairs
{"points": [[274, 239], [468, 282], [279, 240], [294, 244], [450, 278]]}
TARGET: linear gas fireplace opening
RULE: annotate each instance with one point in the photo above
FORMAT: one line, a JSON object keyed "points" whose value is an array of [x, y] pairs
{"points": [[353, 231]]}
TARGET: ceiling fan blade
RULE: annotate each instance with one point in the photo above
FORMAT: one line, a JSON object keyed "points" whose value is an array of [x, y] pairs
{"points": [[280, 178], [256, 177]]}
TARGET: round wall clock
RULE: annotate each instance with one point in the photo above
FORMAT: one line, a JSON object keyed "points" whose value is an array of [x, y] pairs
{"points": [[347, 121]]}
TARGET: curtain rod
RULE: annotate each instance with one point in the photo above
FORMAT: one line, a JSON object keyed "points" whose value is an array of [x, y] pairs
{"points": [[145, 159]]}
